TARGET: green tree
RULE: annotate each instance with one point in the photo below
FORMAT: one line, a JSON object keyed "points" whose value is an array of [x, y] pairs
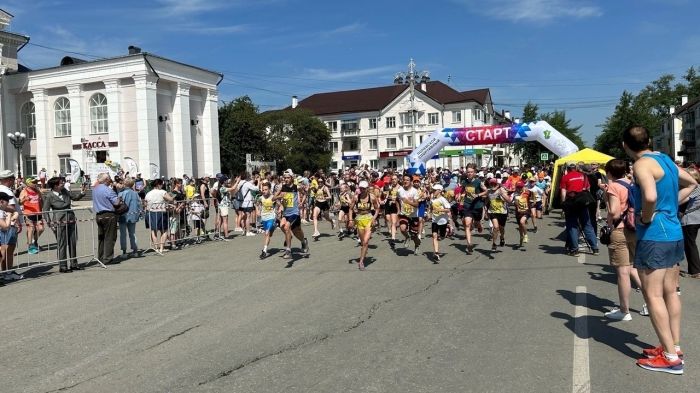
{"points": [[529, 151], [558, 120], [298, 140], [609, 141], [241, 132]]}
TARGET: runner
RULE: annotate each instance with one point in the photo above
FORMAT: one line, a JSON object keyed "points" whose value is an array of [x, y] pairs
{"points": [[521, 202], [408, 219], [291, 221], [536, 196], [345, 199], [423, 198], [440, 209], [498, 198], [364, 205], [472, 192], [322, 205], [391, 206], [266, 204]]}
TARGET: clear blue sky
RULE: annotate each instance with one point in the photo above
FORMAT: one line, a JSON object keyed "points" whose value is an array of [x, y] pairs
{"points": [[576, 55]]}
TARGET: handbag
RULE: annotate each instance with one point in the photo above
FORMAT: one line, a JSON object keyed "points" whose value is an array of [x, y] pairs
{"points": [[121, 207], [605, 233]]}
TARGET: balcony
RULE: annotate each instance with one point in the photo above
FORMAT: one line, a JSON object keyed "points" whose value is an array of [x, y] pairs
{"points": [[350, 132]]}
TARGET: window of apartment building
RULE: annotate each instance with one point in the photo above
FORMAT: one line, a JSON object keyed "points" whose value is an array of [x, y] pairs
{"points": [[391, 143], [27, 120], [351, 145], [391, 122], [332, 126], [64, 163], [433, 118], [372, 124], [420, 139], [61, 109], [456, 116], [349, 125], [30, 166], [333, 146], [334, 164], [374, 164], [478, 115], [407, 118], [391, 164], [373, 144], [409, 141], [98, 114]]}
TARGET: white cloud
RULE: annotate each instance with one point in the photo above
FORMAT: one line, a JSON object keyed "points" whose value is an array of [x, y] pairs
{"points": [[185, 7], [214, 30], [533, 10], [324, 74]]}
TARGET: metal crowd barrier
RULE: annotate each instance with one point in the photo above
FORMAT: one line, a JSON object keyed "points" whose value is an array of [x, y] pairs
{"points": [[67, 236]]}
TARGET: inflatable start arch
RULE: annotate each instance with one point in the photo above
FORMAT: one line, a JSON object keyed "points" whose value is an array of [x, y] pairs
{"points": [[538, 131]]}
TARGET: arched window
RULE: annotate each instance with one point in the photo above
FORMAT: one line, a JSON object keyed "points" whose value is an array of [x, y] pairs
{"points": [[61, 110], [98, 114], [27, 120]]}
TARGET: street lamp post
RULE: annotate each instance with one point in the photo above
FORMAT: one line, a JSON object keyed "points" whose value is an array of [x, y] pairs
{"points": [[17, 140]]}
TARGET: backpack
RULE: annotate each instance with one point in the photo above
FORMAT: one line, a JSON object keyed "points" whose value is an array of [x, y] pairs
{"points": [[627, 217]]}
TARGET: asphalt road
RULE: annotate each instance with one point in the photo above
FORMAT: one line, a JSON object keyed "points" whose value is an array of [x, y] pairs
{"points": [[214, 318]]}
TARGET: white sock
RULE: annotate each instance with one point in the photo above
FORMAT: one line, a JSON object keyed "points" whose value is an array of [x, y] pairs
{"points": [[265, 249], [678, 348], [671, 357]]}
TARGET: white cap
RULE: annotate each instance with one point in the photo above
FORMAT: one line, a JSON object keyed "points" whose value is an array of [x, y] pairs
{"points": [[489, 175], [437, 187], [289, 172], [480, 174], [547, 178], [498, 173], [363, 184], [516, 169]]}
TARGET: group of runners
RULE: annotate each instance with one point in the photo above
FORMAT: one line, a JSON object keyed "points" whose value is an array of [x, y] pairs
{"points": [[362, 199]]}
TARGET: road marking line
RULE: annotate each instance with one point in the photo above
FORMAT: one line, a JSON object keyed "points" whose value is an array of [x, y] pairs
{"points": [[582, 258], [581, 371]]}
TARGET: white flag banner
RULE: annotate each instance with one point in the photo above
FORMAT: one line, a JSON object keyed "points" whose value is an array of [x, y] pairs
{"points": [[155, 171], [130, 166], [74, 170]]}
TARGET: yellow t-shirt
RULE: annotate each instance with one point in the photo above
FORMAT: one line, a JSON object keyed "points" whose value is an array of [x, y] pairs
{"points": [[189, 191]]}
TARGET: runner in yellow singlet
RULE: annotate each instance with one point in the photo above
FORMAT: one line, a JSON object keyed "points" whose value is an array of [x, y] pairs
{"points": [[364, 205], [322, 196]]}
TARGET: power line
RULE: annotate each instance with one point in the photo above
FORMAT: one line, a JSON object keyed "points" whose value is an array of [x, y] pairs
{"points": [[65, 51]]}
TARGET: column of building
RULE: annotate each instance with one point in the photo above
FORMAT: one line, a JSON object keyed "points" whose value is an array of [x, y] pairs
{"points": [[210, 133], [44, 138], [9, 125], [76, 97], [182, 138], [147, 124], [112, 93]]}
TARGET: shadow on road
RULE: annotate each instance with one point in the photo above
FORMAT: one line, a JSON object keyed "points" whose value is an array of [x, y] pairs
{"points": [[603, 331]]}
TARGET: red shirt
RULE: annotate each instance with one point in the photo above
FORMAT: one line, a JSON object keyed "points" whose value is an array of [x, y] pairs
{"points": [[379, 183], [573, 181]]}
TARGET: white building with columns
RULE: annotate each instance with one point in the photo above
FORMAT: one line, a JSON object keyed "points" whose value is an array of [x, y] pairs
{"points": [[160, 113]]}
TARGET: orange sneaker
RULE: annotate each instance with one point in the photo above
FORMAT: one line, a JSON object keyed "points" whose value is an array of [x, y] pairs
{"points": [[660, 363], [654, 352]]}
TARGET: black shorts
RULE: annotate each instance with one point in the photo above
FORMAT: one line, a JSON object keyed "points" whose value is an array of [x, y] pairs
{"points": [[441, 230], [501, 218], [245, 209], [33, 217], [294, 221], [323, 206], [475, 214], [391, 208], [519, 215], [410, 222], [345, 209]]}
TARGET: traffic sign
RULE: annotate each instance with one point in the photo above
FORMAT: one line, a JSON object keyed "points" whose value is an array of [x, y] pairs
{"points": [[544, 156]]}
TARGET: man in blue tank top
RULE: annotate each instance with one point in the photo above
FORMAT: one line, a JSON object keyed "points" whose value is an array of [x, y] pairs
{"points": [[659, 185]]}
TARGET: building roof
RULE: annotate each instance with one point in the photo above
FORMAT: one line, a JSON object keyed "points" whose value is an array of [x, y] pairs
{"points": [[688, 105], [377, 98]]}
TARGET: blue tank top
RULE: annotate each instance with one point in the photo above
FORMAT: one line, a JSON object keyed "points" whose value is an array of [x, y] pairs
{"points": [[665, 227]]}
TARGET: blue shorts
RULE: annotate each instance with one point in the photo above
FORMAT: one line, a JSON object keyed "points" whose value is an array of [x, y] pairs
{"points": [[658, 255], [294, 221], [8, 237], [158, 221], [269, 226]]}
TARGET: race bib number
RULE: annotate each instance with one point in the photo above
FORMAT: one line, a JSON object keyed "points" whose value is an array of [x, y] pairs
{"points": [[288, 200]]}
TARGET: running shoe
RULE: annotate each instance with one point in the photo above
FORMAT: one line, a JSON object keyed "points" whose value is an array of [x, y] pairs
{"points": [[596, 251], [522, 240], [525, 239], [238, 229], [535, 230], [287, 254], [305, 246], [316, 234], [617, 315], [247, 234], [493, 247], [264, 254], [416, 244], [657, 351], [503, 242], [470, 249], [437, 258], [33, 249], [644, 311], [660, 363], [340, 235]]}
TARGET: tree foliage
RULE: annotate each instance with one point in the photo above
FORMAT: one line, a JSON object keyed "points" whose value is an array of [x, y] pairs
{"points": [[530, 151], [293, 138], [649, 108], [298, 139]]}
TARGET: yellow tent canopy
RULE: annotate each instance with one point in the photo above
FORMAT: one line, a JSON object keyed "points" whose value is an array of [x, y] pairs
{"points": [[587, 156]]}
